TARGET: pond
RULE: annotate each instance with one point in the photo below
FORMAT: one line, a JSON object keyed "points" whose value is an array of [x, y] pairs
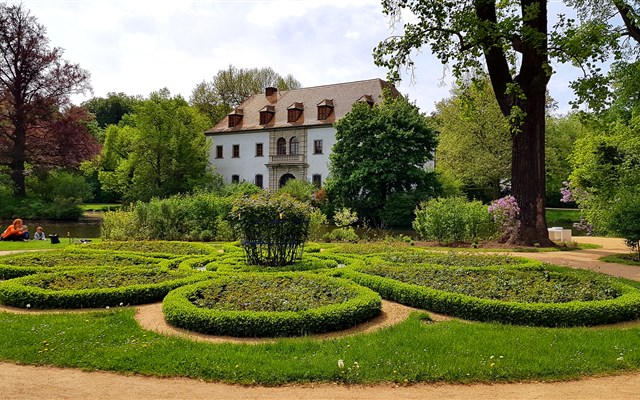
{"points": [[89, 228]]}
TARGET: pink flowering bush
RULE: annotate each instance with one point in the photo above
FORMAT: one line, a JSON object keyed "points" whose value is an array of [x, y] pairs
{"points": [[505, 212]]}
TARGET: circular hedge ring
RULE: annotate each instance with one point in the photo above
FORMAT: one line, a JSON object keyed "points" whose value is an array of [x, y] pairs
{"points": [[622, 305], [270, 305], [94, 287]]}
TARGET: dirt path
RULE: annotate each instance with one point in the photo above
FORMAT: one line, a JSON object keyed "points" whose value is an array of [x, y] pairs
{"points": [[31, 382]]}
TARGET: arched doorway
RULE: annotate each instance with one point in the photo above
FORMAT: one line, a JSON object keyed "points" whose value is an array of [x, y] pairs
{"points": [[285, 178]]}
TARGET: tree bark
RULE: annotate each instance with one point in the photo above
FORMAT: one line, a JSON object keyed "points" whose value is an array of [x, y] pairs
{"points": [[528, 173]]}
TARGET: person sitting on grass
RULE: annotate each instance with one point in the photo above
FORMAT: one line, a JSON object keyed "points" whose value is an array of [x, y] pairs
{"points": [[16, 231], [39, 235]]}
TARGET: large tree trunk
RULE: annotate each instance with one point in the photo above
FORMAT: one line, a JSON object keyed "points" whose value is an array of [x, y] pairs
{"points": [[528, 173]]}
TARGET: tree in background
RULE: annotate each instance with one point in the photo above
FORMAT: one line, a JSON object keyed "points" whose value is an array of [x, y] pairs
{"points": [[473, 141], [160, 153], [36, 126], [231, 86], [513, 40], [561, 135], [110, 110], [379, 159]]}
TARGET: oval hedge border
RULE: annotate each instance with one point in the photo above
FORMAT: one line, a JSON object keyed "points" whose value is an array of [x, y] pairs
{"points": [[576, 313], [19, 293], [181, 312], [15, 270], [148, 248]]}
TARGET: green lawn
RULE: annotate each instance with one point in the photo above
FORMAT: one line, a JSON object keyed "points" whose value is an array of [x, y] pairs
{"points": [[562, 217], [627, 259], [413, 351], [36, 244], [101, 206]]}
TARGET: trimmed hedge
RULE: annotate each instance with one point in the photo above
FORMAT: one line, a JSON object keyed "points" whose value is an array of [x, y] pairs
{"points": [[458, 259], [180, 311], [149, 248], [17, 265], [576, 313], [31, 291]]}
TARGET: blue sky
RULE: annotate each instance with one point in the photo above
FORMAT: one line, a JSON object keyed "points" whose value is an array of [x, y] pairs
{"points": [[138, 46]]}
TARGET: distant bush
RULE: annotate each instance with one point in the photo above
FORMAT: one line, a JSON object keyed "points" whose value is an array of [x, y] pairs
{"points": [[454, 219], [191, 218], [625, 220]]}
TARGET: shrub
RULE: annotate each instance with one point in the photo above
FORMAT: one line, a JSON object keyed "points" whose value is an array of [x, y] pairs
{"points": [[299, 189], [273, 227], [158, 249], [399, 209], [286, 304], [344, 235], [174, 218], [94, 287], [625, 220], [505, 213], [317, 223], [453, 219]]}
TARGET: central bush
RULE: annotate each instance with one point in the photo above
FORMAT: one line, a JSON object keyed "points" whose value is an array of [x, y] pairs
{"points": [[273, 228]]}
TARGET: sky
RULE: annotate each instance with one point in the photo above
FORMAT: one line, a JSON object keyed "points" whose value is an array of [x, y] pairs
{"points": [[140, 46]]}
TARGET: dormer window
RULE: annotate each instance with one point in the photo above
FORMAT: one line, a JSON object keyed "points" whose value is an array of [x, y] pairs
{"points": [[325, 107], [367, 98], [235, 117], [266, 114], [294, 111]]}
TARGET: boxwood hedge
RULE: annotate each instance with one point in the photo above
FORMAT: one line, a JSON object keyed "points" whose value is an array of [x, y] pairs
{"points": [[94, 287], [243, 320], [17, 265], [158, 249], [574, 313]]}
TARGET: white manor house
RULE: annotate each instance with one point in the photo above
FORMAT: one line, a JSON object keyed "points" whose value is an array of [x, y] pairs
{"points": [[280, 135]]}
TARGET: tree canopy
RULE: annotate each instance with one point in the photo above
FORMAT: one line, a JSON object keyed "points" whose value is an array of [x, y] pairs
{"points": [[109, 110], [37, 126], [512, 41], [379, 157], [231, 86], [161, 150], [473, 141]]}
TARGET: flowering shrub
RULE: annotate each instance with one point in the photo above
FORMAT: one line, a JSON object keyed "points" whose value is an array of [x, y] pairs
{"points": [[505, 212], [273, 227]]}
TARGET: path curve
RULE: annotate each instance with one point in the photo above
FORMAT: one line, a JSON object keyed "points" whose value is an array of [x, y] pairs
{"points": [[35, 382]]}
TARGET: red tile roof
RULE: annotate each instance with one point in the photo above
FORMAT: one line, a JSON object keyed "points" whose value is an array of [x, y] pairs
{"points": [[342, 95]]}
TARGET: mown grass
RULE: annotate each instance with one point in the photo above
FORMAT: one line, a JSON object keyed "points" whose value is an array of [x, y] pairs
{"points": [[561, 247], [101, 206], [33, 245], [626, 259], [413, 351], [559, 216]]}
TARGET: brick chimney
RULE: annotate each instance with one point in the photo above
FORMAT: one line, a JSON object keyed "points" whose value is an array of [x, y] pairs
{"points": [[270, 91]]}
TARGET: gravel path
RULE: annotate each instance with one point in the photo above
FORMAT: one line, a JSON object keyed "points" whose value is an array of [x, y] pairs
{"points": [[41, 382]]}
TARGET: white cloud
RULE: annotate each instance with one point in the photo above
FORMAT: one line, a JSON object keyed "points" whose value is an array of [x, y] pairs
{"points": [[139, 46]]}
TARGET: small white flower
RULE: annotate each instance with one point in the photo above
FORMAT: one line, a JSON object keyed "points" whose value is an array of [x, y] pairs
{"points": [[120, 304], [620, 359], [107, 307], [28, 305], [341, 364]]}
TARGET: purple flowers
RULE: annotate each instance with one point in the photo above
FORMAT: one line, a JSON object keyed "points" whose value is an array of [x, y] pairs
{"points": [[565, 191], [505, 213]]}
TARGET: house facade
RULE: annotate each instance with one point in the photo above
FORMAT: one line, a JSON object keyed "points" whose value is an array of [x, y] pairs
{"points": [[280, 135]]}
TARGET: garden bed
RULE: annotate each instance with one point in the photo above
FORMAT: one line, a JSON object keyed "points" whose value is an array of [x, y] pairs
{"points": [[560, 297], [94, 287], [259, 304], [159, 248]]}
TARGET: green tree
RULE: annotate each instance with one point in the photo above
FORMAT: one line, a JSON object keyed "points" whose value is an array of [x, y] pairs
{"points": [[381, 151], [474, 144], [513, 41], [110, 110], [561, 134], [231, 86], [162, 153]]}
